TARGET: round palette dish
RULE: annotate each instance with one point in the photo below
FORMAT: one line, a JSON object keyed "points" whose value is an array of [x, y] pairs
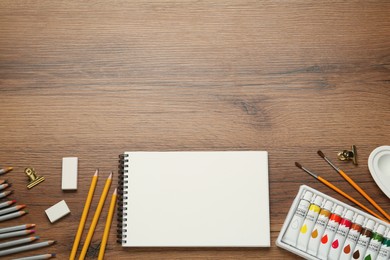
{"points": [[379, 166]]}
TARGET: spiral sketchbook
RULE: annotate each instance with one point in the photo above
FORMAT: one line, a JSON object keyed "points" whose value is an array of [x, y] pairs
{"points": [[194, 199]]}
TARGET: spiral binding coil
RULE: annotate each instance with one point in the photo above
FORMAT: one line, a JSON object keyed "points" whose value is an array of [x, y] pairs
{"points": [[122, 197]]}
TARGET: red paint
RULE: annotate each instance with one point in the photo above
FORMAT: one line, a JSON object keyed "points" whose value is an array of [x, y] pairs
{"points": [[335, 218], [335, 244], [346, 222], [324, 239]]}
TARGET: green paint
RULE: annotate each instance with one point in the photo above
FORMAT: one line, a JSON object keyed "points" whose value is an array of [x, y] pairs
{"points": [[377, 237], [367, 257]]}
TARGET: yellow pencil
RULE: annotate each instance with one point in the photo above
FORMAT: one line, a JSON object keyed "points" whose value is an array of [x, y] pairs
{"points": [[84, 215], [107, 226], [96, 217]]}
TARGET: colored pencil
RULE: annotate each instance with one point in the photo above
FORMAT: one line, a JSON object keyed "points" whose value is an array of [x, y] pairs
{"points": [[84, 215], [16, 228], [17, 233], [5, 193], [7, 203], [96, 217], [18, 242], [11, 209], [26, 248], [107, 226], [13, 215], [5, 170], [4, 186], [354, 185], [330, 185], [37, 257], [3, 181]]}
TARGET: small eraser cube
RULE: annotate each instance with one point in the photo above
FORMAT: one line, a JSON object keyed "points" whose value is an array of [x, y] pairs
{"points": [[57, 211], [69, 173]]}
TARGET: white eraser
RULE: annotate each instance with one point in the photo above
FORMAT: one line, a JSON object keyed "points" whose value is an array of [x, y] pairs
{"points": [[69, 173], [57, 211]]}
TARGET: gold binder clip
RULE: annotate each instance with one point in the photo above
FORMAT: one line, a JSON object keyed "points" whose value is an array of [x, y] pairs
{"points": [[34, 179], [348, 155]]}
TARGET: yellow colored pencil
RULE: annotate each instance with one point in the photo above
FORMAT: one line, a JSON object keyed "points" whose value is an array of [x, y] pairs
{"points": [[84, 215], [5, 170], [107, 226], [96, 217]]}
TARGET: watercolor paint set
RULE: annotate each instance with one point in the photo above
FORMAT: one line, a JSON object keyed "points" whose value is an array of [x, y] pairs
{"points": [[318, 226]]}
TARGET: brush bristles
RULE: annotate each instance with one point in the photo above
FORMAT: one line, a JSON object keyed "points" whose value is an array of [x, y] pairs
{"points": [[305, 170], [320, 153], [298, 165], [328, 161]]}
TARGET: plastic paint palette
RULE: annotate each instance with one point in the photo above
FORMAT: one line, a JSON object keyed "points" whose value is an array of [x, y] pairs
{"points": [[281, 240], [379, 166]]}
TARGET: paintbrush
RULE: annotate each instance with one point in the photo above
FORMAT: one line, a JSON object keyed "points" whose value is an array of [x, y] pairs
{"points": [[330, 185], [354, 184]]}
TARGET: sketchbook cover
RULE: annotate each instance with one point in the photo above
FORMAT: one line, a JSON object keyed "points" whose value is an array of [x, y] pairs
{"points": [[196, 199]]}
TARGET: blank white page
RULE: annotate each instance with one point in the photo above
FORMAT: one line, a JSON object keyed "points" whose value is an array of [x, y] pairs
{"points": [[197, 199]]}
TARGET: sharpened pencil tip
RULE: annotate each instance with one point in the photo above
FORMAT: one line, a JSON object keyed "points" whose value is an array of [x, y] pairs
{"points": [[298, 165], [320, 153], [6, 170], [110, 177], [53, 254], [96, 172]]}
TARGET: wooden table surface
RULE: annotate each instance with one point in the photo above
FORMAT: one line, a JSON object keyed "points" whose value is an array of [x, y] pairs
{"points": [[92, 79]]}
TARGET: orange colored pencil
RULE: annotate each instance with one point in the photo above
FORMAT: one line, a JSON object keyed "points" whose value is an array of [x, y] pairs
{"points": [[16, 228], [13, 215], [11, 209], [7, 203], [355, 185]]}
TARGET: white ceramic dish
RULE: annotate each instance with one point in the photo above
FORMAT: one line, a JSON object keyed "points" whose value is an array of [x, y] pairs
{"points": [[379, 166]]}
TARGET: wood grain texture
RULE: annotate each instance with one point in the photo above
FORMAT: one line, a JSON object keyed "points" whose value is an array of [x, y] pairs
{"points": [[95, 78]]}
